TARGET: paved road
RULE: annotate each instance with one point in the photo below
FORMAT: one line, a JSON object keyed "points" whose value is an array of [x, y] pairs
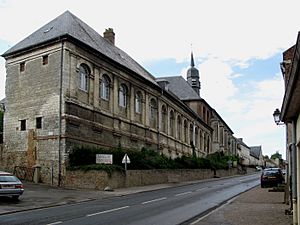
{"points": [[175, 205]]}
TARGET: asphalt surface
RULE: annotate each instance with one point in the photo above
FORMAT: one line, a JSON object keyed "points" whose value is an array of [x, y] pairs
{"points": [[37, 196]]}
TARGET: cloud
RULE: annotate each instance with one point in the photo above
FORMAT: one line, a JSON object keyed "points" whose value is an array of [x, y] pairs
{"points": [[216, 79]]}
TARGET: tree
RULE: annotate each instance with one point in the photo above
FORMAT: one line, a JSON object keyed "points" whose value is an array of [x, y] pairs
{"points": [[277, 155]]}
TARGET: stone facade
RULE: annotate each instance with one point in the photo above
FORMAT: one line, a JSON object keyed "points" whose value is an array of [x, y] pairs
{"points": [[67, 90], [99, 179]]}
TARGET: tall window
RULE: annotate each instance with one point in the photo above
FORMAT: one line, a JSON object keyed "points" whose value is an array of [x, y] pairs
{"points": [[104, 92], [191, 134], [83, 77], [164, 119], [196, 137], [185, 131], [179, 127], [123, 95], [138, 102], [153, 113], [172, 122]]}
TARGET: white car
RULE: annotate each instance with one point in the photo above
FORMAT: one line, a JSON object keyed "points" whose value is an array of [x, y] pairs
{"points": [[10, 185]]}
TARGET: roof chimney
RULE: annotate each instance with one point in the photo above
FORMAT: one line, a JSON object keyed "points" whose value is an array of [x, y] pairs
{"points": [[109, 35]]}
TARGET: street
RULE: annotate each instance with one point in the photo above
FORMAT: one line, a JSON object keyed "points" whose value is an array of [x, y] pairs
{"points": [[175, 205]]}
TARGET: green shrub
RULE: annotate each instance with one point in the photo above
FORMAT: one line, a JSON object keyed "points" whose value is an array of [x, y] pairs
{"points": [[84, 158]]}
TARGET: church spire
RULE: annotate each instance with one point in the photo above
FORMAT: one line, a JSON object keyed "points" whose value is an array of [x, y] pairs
{"points": [[192, 60], [193, 77]]}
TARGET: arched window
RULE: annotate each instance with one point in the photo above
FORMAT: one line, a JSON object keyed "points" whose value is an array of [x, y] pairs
{"points": [[123, 95], [191, 134], [185, 131], [153, 113], [164, 119], [138, 102], [179, 126], [104, 90], [197, 137], [83, 77], [172, 122]]}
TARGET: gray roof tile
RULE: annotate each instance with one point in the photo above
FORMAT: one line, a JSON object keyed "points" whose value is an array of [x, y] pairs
{"points": [[255, 151], [179, 86], [68, 24]]}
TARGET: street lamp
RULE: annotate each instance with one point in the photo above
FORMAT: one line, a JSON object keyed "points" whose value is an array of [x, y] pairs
{"points": [[276, 116]]}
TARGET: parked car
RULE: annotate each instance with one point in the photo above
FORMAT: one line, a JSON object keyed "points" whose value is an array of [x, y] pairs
{"points": [[10, 185], [271, 177]]}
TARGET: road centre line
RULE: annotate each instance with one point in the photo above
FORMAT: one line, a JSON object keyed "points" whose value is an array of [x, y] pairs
{"points": [[184, 193], [58, 222], [201, 188], [154, 200], [107, 211]]}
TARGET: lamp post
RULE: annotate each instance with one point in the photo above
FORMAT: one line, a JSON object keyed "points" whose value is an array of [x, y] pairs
{"points": [[276, 116]]}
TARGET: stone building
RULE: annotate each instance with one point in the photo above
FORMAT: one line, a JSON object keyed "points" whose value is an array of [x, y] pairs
{"points": [[66, 86], [222, 139], [290, 115], [243, 152], [256, 156]]}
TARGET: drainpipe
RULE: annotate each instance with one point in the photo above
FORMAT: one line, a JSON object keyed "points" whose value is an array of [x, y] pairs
{"points": [[294, 173], [60, 112]]}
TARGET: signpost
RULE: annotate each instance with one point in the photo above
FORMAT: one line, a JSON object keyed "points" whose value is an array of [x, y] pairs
{"points": [[125, 160], [104, 158]]}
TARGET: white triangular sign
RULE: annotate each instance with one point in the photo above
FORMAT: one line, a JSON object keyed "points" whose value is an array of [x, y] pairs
{"points": [[125, 159]]}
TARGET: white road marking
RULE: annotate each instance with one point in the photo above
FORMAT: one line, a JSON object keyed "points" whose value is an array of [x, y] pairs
{"points": [[154, 200], [58, 222], [201, 189], [107, 211], [184, 193]]}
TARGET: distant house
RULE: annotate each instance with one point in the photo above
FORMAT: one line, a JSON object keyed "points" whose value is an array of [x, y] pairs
{"points": [[256, 158], [243, 151]]}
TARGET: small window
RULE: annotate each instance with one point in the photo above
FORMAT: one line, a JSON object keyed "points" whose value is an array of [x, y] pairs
{"points": [[45, 59], [22, 66], [23, 124], [38, 123]]}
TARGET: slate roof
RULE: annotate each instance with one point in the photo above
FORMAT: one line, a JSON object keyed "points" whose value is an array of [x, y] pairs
{"points": [[68, 25], [255, 151], [179, 86]]}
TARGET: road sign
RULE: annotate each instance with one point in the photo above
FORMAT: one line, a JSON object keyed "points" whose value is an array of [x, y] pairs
{"points": [[104, 158], [125, 159]]}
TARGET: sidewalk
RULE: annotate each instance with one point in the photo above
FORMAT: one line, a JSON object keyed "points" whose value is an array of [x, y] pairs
{"points": [[257, 206]]}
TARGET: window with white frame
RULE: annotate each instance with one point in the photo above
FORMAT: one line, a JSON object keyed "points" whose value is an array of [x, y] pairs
{"points": [[83, 77], [123, 95], [104, 88], [138, 102]]}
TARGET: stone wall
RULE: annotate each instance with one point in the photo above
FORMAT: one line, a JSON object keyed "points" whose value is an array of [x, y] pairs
{"points": [[100, 179]]}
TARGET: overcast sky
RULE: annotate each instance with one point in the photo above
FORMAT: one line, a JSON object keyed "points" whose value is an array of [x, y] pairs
{"points": [[237, 47]]}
